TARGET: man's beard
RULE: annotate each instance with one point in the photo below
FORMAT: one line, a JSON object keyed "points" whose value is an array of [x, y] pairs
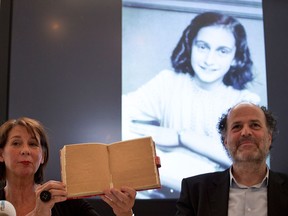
{"points": [[255, 155]]}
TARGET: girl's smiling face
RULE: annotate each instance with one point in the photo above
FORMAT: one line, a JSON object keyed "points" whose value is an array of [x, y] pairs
{"points": [[213, 52]]}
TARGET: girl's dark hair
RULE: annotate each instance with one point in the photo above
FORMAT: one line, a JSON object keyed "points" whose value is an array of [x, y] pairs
{"points": [[271, 123], [36, 129], [240, 73]]}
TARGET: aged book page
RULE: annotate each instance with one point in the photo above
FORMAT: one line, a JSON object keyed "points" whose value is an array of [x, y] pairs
{"points": [[137, 168], [89, 168]]}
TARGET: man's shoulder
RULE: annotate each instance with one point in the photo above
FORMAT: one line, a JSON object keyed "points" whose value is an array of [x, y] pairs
{"points": [[278, 176], [209, 176], [278, 185], [2, 193]]}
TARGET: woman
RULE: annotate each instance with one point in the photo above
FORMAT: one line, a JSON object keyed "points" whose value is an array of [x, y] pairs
{"points": [[24, 153], [180, 108]]}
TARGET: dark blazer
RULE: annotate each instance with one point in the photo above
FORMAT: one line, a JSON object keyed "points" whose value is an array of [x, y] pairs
{"points": [[72, 207], [208, 195]]}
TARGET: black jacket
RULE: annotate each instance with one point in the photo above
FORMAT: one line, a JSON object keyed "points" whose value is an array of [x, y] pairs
{"points": [[73, 207], [208, 195]]}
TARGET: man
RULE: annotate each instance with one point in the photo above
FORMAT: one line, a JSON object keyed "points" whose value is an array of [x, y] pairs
{"points": [[249, 187]]}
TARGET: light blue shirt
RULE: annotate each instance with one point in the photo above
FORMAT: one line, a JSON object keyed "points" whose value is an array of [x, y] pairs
{"points": [[248, 201]]}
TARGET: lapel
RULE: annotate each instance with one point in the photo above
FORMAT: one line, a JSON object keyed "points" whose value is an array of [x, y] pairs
{"points": [[219, 194], [277, 194]]}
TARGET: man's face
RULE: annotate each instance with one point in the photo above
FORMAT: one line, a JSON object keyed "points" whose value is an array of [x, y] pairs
{"points": [[247, 138]]}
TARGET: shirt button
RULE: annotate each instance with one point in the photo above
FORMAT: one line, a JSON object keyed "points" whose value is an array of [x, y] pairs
{"points": [[249, 209]]}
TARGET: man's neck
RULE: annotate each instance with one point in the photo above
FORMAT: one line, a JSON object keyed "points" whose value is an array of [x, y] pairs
{"points": [[249, 174]]}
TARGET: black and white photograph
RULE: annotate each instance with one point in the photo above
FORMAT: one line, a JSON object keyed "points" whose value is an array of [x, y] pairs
{"points": [[183, 64]]}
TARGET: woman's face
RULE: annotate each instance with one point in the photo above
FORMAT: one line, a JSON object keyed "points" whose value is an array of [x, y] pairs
{"points": [[22, 153], [213, 51]]}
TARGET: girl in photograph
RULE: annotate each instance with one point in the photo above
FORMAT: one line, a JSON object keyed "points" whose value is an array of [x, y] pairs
{"points": [[180, 108]]}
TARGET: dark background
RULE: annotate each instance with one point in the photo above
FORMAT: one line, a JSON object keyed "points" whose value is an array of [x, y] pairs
{"points": [[29, 87]]}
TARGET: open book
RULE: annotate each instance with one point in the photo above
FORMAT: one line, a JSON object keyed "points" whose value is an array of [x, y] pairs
{"points": [[89, 168]]}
